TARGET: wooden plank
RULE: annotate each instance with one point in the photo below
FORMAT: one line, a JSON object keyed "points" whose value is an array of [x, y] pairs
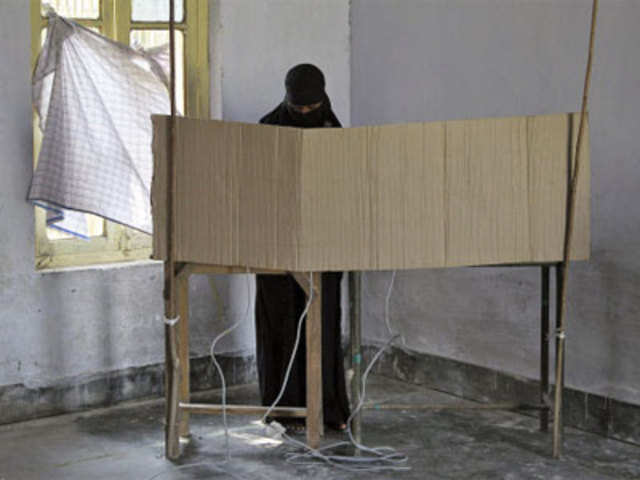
{"points": [[355, 335], [314, 366], [172, 392], [209, 409], [199, 268], [452, 406], [183, 349]]}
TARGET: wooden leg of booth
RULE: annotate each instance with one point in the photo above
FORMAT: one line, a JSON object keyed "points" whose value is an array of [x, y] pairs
{"points": [[356, 351], [314, 365], [172, 397], [183, 353]]}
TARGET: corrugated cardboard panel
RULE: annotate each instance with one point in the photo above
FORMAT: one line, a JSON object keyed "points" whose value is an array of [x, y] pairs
{"points": [[373, 197], [335, 203], [205, 188], [406, 178], [581, 245], [472, 192], [548, 150], [158, 187], [486, 192], [236, 193], [266, 183]]}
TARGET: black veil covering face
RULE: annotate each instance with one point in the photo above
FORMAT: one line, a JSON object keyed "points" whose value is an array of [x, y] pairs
{"points": [[305, 85], [279, 299]]}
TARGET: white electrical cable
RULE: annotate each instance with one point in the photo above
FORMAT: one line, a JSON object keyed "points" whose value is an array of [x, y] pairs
{"points": [[220, 466], [381, 458], [387, 302], [219, 369]]}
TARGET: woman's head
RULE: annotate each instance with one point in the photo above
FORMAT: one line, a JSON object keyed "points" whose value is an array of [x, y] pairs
{"points": [[306, 100], [305, 85]]}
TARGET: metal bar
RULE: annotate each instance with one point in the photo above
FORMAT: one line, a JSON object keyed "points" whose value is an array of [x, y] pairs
{"points": [[544, 348], [355, 328], [558, 408], [206, 409]]}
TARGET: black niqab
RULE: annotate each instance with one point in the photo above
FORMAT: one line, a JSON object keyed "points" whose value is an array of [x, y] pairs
{"points": [[305, 85]]}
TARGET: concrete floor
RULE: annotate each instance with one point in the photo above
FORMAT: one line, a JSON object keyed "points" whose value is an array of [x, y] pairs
{"points": [[126, 442]]}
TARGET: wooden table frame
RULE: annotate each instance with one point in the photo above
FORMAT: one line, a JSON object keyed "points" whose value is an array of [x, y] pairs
{"points": [[177, 385], [177, 338]]}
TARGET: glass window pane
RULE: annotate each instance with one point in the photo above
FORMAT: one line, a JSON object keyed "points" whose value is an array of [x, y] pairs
{"points": [[155, 11], [95, 228], [155, 38], [43, 34], [73, 8]]}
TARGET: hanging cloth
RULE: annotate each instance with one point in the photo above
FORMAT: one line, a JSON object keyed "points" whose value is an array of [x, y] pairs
{"points": [[94, 98]]}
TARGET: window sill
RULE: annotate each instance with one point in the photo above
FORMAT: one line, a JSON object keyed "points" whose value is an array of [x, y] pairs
{"points": [[101, 266]]}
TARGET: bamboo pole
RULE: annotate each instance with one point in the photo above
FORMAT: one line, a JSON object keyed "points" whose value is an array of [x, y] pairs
{"points": [[557, 444], [172, 364]]}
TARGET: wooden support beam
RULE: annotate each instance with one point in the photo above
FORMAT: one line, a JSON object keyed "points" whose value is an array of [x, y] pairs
{"points": [[200, 268], [314, 365], [172, 394], [207, 409], [355, 330], [183, 349], [303, 281], [446, 406]]}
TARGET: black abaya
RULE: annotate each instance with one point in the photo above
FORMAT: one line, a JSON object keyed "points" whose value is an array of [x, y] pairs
{"points": [[279, 303]]}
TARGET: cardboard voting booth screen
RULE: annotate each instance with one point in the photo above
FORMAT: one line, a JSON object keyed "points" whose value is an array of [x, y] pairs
{"points": [[421, 195]]}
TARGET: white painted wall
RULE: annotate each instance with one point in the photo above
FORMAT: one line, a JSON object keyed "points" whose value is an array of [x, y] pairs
{"points": [[253, 44], [410, 60], [256, 42], [420, 60], [56, 326]]}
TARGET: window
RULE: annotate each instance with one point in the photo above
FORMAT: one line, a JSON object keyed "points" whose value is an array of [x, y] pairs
{"points": [[143, 22]]}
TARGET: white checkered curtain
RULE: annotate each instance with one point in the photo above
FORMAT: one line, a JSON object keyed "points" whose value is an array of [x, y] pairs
{"points": [[94, 98]]}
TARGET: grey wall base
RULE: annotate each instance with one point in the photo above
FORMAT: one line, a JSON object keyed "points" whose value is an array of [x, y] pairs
{"points": [[586, 411], [20, 402]]}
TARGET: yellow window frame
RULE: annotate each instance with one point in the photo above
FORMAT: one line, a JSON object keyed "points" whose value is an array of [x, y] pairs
{"points": [[119, 243]]}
